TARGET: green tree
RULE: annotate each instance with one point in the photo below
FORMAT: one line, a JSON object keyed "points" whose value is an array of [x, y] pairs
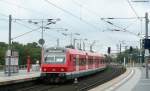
{"points": [[30, 49], [134, 55], [3, 48]]}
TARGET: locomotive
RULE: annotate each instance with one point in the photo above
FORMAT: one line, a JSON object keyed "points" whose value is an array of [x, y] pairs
{"points": [[61, 64]]}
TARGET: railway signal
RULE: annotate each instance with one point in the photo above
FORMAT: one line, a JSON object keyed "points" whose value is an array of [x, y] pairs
{"points": [[146, 43], [131, 49], [109, 50]]}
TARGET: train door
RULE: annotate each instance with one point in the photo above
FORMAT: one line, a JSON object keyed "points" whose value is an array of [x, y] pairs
{"points": [[72, 62], [93, 62], [77, 62], [86, 62]]}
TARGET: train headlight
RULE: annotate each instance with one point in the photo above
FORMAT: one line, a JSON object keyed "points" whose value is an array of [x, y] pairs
{"points": [[53, 69], [44, 69], [62, 69]]}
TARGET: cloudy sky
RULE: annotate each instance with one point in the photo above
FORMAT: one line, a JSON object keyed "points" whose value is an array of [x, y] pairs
{"points": [[78, 16]]}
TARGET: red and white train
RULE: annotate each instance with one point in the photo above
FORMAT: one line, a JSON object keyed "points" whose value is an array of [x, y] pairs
{"points": [[61, 64]]}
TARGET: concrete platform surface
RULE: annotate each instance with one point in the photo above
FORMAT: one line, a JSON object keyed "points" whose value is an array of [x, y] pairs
{"points": [[130, 83], [125, 82], [23, 75], [143, 84]]}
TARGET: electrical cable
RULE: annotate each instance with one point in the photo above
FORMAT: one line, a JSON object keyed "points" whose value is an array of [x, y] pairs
{"points": [[124, 30], [62, 9], [132, 8], [19, 6], [32, 30], [25, 33], [85, 8]]}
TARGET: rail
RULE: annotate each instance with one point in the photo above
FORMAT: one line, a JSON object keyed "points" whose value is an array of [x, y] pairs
{"points": [[116, 72]]}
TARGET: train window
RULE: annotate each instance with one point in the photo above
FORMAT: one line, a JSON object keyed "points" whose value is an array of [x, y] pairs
{"points": [[82, 62], [59, 59], [55, 60], [90, 62], [49, 59]]}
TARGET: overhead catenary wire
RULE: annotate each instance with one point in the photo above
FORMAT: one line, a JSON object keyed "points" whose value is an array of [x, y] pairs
{"points": [[124, 30], [85, 8], [15, 20], [134, 11], [122, 18], [97, 15], [32, 30], [25, 8], [26, 19], [75, 16], [94, 13], [20, 6]]}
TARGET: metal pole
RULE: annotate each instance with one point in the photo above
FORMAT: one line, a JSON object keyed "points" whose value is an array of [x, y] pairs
{"points": [[71, 39], [9, 63], [140, 51], [42, 53], [80, 44], [120, 48], [57, 42], [124, 62], [130, 59], [83, 45], [90, 47], [74, 43], [42, 31], [146, 50]]}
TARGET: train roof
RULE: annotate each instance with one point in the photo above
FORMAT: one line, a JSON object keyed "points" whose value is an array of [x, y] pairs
{"points": [[80, 52], [75, 51]]}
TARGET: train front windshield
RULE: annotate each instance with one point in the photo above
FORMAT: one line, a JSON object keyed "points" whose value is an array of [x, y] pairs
{"points": [[55, 57]]}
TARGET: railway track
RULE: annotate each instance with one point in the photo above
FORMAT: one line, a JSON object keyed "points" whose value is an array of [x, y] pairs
{"points": [[104, 78], [84, 84]]}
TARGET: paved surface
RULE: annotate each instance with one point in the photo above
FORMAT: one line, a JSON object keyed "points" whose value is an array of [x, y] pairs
{"points": [[126, 82], [130, 83], [143, 84], [108, 86], [23, 75]]}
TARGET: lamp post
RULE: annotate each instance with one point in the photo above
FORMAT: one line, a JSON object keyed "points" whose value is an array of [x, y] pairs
{"points": [[74, 42], [146, 50], [10, 50], [91, 46], [84, 43]]}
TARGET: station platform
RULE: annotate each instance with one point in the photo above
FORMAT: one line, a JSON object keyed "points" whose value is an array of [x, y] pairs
{"points": [[133, 79], [21, 76]]}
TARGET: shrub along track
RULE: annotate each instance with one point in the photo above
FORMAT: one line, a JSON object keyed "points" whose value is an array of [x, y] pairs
{"points": [[84, 83]]}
